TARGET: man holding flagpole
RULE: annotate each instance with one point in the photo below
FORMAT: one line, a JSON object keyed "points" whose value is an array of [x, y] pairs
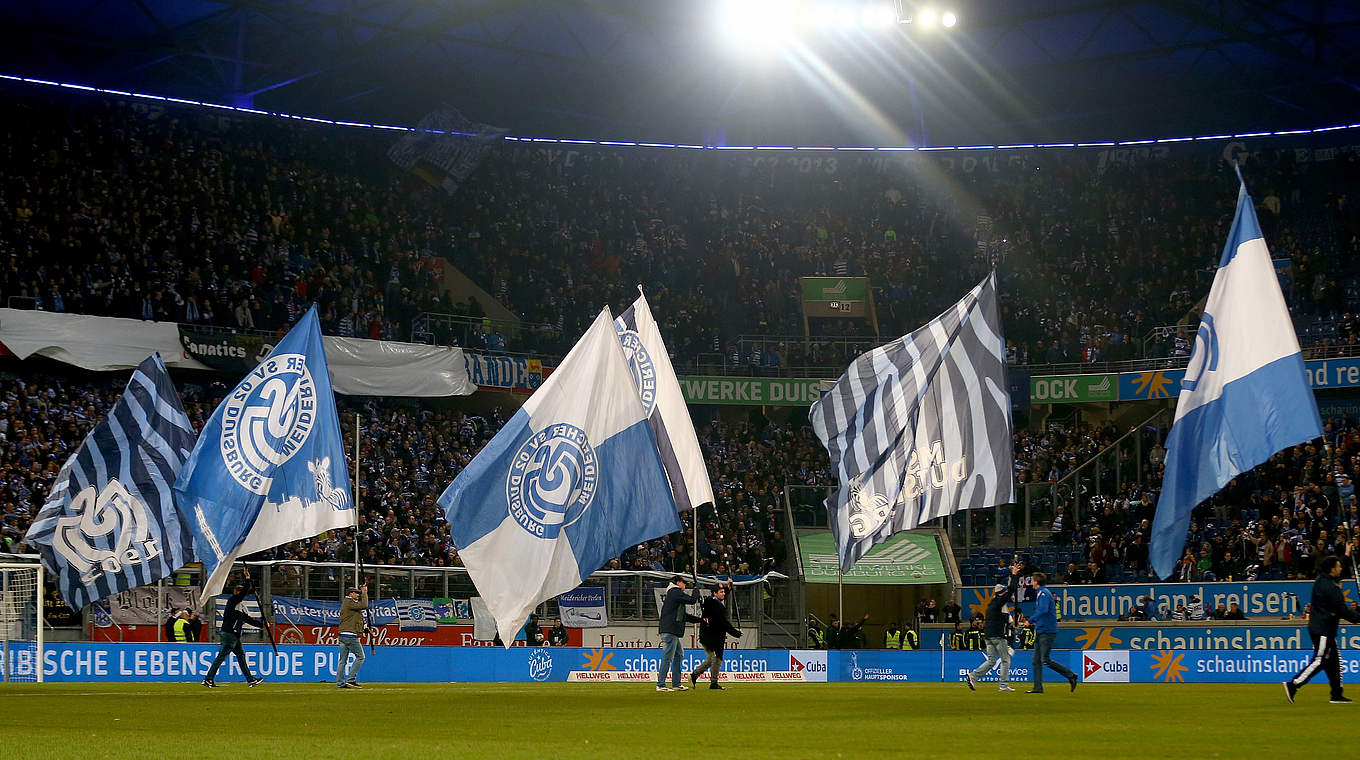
{"points": [[1245, 394]]}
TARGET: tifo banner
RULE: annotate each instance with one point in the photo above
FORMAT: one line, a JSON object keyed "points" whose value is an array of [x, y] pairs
{"points": [[515, 373], [448, 610], [444, 147], [416, 615], [1258, 599], [1073, 388], [753, 391], [143, 606], [904, 559], [224, 350], [583, 608], [359, 367]]}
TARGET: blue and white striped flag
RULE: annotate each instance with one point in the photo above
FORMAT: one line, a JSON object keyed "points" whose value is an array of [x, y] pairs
{"points": [[920, 428], [270, 466], [571, 481], [1245, 394], [110, 522], [667, 412]]}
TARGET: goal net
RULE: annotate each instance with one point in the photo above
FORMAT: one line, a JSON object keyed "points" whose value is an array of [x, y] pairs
{"points": [[21, 618]]}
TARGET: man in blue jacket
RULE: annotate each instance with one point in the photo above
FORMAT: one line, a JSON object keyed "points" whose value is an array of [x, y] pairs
{"points": [[672, 628], [1045, 621]]}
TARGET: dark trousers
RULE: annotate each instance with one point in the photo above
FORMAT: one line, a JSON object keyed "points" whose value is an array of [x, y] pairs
{"points": [[1043, 644], [230, 643], [1325, 657], [713, 665]]}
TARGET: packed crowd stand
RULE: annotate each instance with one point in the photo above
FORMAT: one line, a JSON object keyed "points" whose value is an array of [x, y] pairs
{"points": [[173, 213], [167, 213]]}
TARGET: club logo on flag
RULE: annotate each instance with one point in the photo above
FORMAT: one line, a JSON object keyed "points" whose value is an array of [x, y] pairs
{"points": [[1205, 357], [870, 510], [267, 419], [116, 512], [644, 372], [552, 480]]}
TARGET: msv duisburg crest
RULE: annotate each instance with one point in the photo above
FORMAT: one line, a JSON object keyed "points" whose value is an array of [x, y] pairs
{"points": [[552, 480], [644, 372], [267, 419], [115, 512]]}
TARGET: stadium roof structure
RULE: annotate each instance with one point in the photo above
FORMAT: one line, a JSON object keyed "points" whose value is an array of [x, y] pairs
{"points": [[662, 70]]}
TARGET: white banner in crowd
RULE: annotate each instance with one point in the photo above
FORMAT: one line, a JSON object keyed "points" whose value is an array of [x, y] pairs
{"points": [[359, 367], [144, 606]]}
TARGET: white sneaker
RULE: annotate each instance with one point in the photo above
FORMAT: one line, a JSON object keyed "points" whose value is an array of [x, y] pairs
{"points": [[968, 678], [681, 687], [663, 688], [1005, 688]]}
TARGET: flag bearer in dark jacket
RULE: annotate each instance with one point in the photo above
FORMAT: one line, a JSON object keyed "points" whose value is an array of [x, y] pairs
{"points": [[1328, 607], [233, 620], [994, 631], [672, 629], [713, 630]]}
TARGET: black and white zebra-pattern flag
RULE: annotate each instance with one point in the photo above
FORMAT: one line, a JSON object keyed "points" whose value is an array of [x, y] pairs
{"points": [[920, 428], [110, 523]]}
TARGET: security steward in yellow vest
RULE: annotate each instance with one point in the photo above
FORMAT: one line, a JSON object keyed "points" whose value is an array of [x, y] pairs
{"points": [[892, 638], [179, 630], [911, 639]]}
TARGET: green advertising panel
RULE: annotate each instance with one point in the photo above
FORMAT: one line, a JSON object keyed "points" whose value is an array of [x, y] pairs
{"points": [[905, 559], [753, 391], [817, 289], [1073, 389]]}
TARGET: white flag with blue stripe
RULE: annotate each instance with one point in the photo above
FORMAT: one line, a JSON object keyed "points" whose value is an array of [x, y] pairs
{"points": [[110, 523], [270, 466], [659, 390], [572, 480], [1245, 394]]}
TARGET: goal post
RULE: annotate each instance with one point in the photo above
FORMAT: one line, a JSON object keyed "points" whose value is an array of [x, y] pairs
{"points": [[21, 623]]}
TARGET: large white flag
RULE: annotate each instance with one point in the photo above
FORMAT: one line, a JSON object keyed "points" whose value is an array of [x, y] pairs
{"points": [[659, 390], [571, 481]]}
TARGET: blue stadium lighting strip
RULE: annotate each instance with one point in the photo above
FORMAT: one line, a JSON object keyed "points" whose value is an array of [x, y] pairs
{"points": [[676, 146]]}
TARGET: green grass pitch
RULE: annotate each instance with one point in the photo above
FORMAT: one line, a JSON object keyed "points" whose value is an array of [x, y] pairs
{"points": [[823, 721]]}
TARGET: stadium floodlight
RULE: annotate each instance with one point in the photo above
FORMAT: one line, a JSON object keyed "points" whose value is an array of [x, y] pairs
{"points": [[926, 17], [878, 15], [948, 19]]}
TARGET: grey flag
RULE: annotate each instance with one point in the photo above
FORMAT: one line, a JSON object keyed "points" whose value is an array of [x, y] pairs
{"points": [[110, 522], [920, 428]]}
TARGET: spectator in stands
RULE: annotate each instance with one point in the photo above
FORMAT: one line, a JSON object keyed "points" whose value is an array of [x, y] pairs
{"points": [[1234, 613], [1220, 612], [951, 611]]}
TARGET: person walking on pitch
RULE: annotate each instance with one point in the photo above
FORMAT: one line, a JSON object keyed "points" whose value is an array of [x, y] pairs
{"points": [[994, 632], [1045, 621], [1329, 606], [713, 630], [672, 629], [233, 620], [351, 627]]}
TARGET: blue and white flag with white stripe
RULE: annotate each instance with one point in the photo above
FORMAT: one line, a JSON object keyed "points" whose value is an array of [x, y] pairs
{"points": [[1245, 394], [110, 522], [270, 466], [572, 480], [659, 389], [920, 428]]}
